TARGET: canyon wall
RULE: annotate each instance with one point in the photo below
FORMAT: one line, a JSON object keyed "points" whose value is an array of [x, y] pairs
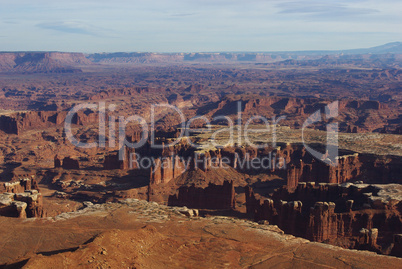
{"points": [[357, 216], [289, 161], [20, 185], [66, 163], [21, 198], [70, 163], [211, 197], [17, 123], [42, 62], [365, 167], [166, 169], [27, 204], [354, 116]]}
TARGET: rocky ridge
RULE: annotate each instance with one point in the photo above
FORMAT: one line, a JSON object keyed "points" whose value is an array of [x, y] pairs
{"points": [[122, 238]]}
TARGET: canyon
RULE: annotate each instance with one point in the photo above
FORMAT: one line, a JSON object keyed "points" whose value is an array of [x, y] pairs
{"points": [[360, 216], [175, 177]]}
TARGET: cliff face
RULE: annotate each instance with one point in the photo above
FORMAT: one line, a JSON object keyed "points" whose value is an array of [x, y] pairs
{"points": [[23, 121], [21, 199], [113, 161], [57, 162], [349, 167], [354, 116], [42, 62], [22, 205], [302, 167], [34, 202], [135, 58], [69, 163], [167, 169], [19, 185], [289, 161], [147, 58], [66, 163], [355, 216], [8, 125], [211, 197]]}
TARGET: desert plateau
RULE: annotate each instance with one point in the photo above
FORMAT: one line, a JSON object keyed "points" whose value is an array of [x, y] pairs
{"points": [[200, 135]]}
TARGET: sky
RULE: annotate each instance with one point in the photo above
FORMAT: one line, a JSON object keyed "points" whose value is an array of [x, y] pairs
{"points": [[197, 25]]}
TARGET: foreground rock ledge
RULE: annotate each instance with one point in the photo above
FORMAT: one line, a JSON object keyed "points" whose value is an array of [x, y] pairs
{"points": [[138, 234]]}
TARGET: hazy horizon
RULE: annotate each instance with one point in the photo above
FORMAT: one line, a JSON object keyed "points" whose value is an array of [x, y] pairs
{"points": [[176, 52], [193, 26]]}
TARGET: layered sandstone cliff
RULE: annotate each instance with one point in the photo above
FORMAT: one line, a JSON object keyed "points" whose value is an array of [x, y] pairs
{"points": [[350, 215], [211, 197], [21, 198], [20, 185], [17, 123], [42, 62]]}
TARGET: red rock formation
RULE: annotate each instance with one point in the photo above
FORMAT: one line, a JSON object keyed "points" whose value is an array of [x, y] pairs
{"points": [[397, 248], [301, 167], [156, 172], [353, 129], [291, 161], [34, 202], [8, 125], [112, 161], [42, 62], [23, 121], [57, 162], [166, 169], [21, 185], [11, 208], [179, 167], [298, 165], [323, 222], [350, 215], [27, 204], [211, 197], [125, 161], [368, 239], [69, 163]]}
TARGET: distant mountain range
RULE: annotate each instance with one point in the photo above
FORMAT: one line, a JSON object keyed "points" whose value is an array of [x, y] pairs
{"points": [[65, 62], [393, 48]]}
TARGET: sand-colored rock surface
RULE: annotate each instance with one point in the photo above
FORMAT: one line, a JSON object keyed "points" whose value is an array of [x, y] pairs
{"points": [[138, 234]]}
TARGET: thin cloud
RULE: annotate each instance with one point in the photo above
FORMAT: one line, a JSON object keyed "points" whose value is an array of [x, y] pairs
{"points": [[69, 27], [10, 22], [183, 14], [323, 11]]}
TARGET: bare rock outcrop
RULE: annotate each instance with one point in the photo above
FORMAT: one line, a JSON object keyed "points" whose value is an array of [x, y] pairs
{"points": [[42, 62], [397, 248], [27, 204], [70, 163], [166, 169], [211, 197], [357, 216], [20, 185], [16, 123]]}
